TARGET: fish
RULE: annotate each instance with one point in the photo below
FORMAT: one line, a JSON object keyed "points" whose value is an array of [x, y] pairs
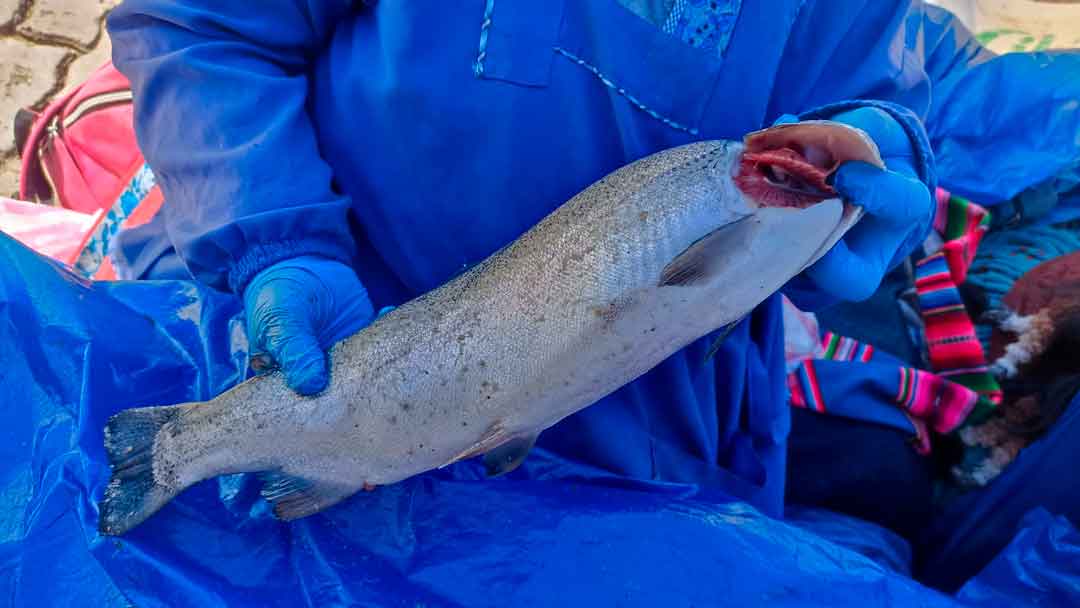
{"points": [[648, 259]]}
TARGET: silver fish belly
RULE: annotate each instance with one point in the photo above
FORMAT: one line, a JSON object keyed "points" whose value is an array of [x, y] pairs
{"points": [[631, 270]]}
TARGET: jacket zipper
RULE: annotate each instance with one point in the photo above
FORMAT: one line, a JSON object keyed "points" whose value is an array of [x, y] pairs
{"points": [[85, 107], [96, 103], [54, 198]]}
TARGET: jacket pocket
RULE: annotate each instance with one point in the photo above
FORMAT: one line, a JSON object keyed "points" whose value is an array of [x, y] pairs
{"points": [[654, 70], [517, 40]]}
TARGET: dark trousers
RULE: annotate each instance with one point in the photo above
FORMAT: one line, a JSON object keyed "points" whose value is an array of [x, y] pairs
{"points": [[869, 471]]}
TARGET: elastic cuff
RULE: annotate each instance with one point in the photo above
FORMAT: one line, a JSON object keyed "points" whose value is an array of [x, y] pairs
{"points": [[265, 255]]}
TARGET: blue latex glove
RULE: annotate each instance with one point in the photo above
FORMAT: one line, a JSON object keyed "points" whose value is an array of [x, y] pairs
{"points": [[897, 203], [298, 308]]}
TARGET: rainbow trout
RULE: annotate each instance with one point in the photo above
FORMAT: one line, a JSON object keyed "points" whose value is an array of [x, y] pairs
{"points": [[643, 262]]}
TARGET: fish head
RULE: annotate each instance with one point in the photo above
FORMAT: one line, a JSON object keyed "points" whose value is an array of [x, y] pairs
{"points": [[773, 212], [784, 168], [785, 172]]}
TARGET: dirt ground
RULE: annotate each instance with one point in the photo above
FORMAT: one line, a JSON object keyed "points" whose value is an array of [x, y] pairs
{"points": [[45, 45]]}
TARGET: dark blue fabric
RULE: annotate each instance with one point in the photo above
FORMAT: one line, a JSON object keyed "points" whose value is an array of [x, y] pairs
{"points": [[975, 526], [552, 532], [360, 128], [861, 469]]}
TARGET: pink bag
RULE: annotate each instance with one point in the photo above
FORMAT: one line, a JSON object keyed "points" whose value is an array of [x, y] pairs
{"points": [[80, 153]]}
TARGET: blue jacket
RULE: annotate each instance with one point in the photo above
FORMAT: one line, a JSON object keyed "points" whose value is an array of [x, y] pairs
{"points": [[413, 139]]}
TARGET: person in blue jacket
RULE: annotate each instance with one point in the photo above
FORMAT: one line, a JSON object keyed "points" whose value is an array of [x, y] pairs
{"points": [[323, 159]]}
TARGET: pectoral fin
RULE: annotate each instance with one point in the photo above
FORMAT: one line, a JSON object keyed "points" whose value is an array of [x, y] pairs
{"points": [[509, 455], [705, 256]]}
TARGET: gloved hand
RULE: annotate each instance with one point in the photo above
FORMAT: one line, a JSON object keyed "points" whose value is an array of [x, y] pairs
{"points": [[897, 203], [298, 308]]}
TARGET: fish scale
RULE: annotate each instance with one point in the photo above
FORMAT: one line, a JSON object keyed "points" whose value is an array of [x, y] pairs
{"points": [[629, 271]]}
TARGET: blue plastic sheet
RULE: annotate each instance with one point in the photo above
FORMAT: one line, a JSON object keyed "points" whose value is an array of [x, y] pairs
{"points": [[1041, 567], [553, 532]]}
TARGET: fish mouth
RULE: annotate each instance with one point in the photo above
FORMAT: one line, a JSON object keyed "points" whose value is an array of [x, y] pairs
{"points": [[792, 165]]}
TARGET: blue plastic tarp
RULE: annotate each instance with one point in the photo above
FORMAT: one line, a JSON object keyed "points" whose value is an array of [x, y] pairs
{"points": [[553, 532], [1040, 568]]}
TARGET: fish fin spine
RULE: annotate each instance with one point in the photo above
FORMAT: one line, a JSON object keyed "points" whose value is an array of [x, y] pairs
{"points": [[492, 438]]}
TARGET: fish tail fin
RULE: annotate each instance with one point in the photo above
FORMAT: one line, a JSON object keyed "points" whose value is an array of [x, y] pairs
{"points": [[133, 493]]}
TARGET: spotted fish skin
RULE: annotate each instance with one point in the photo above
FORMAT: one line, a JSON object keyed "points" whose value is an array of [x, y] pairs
{"points": [[628, 272]]}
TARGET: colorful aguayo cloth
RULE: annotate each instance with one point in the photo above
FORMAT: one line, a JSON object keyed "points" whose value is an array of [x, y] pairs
{"points": [[954, 350], [852, 379]]}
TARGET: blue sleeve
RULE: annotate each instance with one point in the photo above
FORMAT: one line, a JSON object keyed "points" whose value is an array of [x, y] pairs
{"points": [[221, 115], [947, 44], [856, 49], [861, 53], [998, 124]]}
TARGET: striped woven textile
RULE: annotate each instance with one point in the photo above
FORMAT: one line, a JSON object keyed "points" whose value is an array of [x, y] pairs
{"points": [[805, 388], [962, 224], [941, 404], [955, 352], [840, 348], [958, 390]]}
